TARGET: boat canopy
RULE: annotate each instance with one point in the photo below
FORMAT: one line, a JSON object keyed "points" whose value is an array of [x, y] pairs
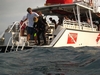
{"points": [[61, 9], [67, 9]]}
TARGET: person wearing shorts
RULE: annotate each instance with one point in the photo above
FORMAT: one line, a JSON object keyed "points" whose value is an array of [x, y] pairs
{"points": [[30, 25]]}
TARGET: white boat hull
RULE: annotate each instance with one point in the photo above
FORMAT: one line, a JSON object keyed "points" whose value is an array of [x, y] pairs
{"points": [[77, 38]]}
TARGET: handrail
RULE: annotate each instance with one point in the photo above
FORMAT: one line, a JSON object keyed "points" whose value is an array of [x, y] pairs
{"points": [[17, 47], [15, 35], [69, 22], [13, 26], [8, 44], [2, 34], [13, 43]]}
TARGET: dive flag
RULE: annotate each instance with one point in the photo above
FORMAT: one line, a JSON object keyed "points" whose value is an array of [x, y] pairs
{"points": [[98, 38], [72, 38]]}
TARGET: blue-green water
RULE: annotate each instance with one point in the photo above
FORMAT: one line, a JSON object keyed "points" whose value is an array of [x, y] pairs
{"points": [[40, 61]]}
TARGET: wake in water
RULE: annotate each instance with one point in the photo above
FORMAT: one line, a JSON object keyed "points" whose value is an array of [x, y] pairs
{"points": [[51, 61]]}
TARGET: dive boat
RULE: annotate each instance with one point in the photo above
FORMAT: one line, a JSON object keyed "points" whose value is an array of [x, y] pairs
{"points": [[77, 31]]}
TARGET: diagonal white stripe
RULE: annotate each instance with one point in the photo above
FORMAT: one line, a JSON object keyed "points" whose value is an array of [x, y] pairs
{"points": [[72, 37]]}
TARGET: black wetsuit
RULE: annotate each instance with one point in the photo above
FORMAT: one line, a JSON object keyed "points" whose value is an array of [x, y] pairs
{"points": [[41, 29]]}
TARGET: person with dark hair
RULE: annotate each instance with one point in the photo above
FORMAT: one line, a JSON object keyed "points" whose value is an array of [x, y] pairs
{"points": [[53, 21], [30, 25], [41, 28]]}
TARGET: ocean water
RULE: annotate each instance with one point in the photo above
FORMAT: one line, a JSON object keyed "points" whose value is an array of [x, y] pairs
{"points": [[47, 61]]}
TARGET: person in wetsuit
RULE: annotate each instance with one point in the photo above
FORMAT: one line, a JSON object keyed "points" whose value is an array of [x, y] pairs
{"points": [[41, 28]]}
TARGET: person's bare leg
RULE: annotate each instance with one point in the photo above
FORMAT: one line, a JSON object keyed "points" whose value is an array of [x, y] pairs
{"points": [[22, 33], [28, 37], [35, 39]]}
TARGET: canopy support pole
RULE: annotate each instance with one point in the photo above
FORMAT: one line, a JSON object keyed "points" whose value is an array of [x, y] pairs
{"points": [[91, 22], [78, 15]]}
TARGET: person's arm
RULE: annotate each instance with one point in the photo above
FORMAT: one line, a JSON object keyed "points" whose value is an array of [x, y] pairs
{"points": [[22, 22], [25, 20], [36, 15]]}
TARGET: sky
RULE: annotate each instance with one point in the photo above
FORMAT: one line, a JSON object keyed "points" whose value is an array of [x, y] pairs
{"points": [[14, 10]]}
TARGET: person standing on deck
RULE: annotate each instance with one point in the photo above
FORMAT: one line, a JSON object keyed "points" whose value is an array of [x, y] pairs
{"points": [[54, 22], [41, 28], [30, 17]]}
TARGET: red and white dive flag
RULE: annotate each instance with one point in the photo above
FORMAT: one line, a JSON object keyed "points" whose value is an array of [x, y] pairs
{"points": [[72, 38], [98, 38]]}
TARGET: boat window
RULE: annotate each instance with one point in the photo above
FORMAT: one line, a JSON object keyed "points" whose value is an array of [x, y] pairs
{"points": [[53, 17]]}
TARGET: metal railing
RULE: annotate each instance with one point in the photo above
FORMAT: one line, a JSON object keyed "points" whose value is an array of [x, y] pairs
{"points": [[8, 44], [2, 34], [15, 23], [74, 25]]}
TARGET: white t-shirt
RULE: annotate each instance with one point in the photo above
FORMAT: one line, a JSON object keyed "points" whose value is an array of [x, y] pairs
{"points": [[30, 18]]}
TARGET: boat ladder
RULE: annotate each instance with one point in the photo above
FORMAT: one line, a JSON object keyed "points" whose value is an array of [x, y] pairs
{"points": [[22, 46], [8, 44]]}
